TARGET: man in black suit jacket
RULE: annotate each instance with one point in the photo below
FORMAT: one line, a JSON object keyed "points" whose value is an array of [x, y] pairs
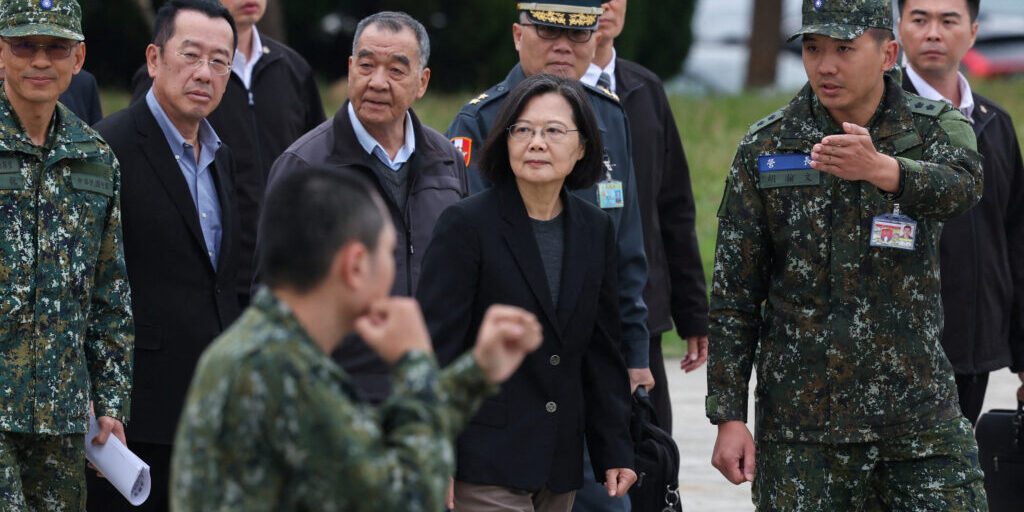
{"points": [[180, 224], [271, 100]]}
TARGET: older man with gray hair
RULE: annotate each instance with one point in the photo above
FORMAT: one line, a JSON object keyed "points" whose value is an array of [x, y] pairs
{"points": [[414, 168]]}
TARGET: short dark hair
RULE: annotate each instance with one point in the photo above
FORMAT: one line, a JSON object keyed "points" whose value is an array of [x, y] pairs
{"points": [[308, 216], [972, 8], [494, 163], [395, 22], [163, 23], [881, 35]]}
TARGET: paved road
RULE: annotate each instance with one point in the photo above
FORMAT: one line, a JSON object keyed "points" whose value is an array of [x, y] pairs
{"points": [[703, 488]]}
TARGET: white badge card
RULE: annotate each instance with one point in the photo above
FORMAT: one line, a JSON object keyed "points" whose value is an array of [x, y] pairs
{"points": [[893, 231], [609, 194]]}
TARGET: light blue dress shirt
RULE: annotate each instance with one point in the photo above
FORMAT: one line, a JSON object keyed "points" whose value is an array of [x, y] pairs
{"points": [[198, 175], [374, 148]]}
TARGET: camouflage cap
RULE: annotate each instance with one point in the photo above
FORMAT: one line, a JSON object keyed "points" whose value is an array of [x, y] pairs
{"points": [[577, 14], [844, 19], [57, 18]]}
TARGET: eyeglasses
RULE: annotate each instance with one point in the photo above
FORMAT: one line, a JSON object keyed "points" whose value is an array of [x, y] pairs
{"points": [[217, 66], [25, 49], [575, 35], [553, 133]]}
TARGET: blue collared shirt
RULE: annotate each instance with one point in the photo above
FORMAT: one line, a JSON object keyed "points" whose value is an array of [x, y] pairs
{"points": [[374, 148], [198, 175]]}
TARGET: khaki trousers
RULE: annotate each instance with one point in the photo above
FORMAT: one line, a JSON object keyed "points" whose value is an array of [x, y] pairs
{"points": [[493, 498]]}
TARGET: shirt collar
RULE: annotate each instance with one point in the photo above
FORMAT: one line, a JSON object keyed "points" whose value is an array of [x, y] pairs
{"points": [[925, 90], [242, 65], [371, 146], [594, 73], [208, 139]]}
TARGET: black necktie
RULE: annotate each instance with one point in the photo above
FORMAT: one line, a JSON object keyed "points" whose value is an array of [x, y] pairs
{"points": [[604, 80]]}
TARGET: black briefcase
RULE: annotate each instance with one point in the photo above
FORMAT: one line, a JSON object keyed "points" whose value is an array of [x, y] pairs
{"points": [[1000, 434], [657, 461]]}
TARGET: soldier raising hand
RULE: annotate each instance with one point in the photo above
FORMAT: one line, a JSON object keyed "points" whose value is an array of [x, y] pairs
{"points": [[826, 278]]}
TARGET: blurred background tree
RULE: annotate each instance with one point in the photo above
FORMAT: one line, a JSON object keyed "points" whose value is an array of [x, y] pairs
{"points": [[471, 41]]}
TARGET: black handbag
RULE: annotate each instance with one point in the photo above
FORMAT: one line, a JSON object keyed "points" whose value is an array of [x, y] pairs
{"points": [[657, 461], [1000, 435]]}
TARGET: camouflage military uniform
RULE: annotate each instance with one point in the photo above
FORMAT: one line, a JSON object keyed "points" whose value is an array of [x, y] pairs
{"points": [[65, 322], [845, 336], [273, 424]]}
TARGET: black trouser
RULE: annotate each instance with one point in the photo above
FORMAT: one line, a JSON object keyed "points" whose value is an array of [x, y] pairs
{"points": [[103, 497], [971, 390], [659, 395]]}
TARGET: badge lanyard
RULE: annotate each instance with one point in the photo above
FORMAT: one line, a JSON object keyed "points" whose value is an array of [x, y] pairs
{"points": [[894, 230], [609, 191]]}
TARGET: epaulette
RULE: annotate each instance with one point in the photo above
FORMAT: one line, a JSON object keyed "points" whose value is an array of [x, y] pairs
{"points": [[603, 92], [924, 106], [770, 119], [487, 96]]}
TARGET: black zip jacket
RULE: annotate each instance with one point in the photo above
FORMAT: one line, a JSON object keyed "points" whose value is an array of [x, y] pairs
{"points": [[982, 255]]}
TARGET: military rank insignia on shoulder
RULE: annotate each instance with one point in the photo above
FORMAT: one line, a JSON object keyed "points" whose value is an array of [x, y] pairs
{"points": [[766, 121], [478, 99], [609, 93], [603, 92], [924, 106]]}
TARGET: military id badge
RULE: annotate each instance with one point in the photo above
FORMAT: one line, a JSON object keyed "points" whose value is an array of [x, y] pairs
{"points": [[789, 170], [894, 231], [609, 191]]}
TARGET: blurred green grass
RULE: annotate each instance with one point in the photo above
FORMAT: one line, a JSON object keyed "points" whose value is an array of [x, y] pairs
{"points": [[710, 128]]}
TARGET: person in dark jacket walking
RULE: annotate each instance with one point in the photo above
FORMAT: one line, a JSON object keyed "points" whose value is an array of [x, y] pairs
{"points": [[981, 251], [271, 100], [416, 170], [676, 289]]}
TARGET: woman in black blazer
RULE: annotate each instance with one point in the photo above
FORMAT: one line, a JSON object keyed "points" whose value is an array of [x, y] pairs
{"points": [[528, 242]]}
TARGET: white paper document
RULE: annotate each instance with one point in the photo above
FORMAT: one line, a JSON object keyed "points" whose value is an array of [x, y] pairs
{"points": [[122, 468]]}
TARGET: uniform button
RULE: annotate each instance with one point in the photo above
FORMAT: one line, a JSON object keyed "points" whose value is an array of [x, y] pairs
{"points": [[555, 360], [204, 215], [177, 157], [551, 407]]}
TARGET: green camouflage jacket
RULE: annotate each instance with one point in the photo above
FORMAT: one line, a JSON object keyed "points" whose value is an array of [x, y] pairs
{"points": [[66, 332], [273, 424], [845, 336]]}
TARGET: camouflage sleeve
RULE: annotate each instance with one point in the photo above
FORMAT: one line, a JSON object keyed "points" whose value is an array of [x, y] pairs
{"points": [[947, 181], [398, 458], [109, 337], [742, 265]]}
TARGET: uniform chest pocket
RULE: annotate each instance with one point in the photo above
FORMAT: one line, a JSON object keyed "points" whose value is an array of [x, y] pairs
{"points": [[93, 189], [11, 177]]}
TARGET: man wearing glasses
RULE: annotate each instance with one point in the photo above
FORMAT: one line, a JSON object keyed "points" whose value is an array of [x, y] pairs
{"points": [[180, 225], [558, 38], [65, 324]]}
